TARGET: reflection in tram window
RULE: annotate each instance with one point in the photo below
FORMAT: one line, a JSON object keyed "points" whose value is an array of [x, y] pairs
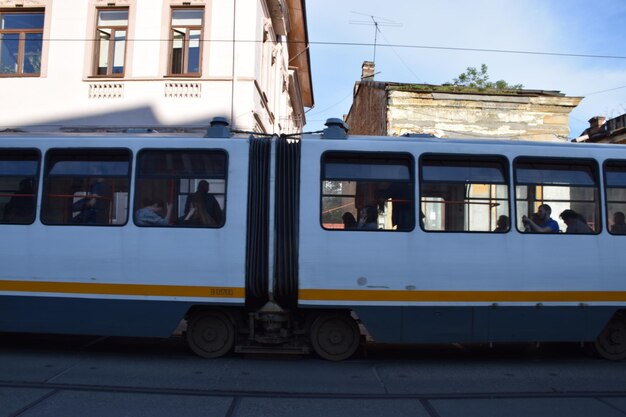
{"points": [[367, 191], [18, 185], [192, 181], [615, 177], [563, 184], [463, 194], [86, 187]]}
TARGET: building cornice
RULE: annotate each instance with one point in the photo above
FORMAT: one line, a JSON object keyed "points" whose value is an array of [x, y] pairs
{"points": [[298, 44]]}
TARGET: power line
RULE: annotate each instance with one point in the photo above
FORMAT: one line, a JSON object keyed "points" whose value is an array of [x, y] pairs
{"points": [[330, 107], [449, 48], [387, 45], [400, 58], [605, 91]]}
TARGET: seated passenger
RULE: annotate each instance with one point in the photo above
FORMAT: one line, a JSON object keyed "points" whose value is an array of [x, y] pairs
{"points": [[95, 208], [619, 223], [542, 223], [149, 214], [575, 222], [368, 218], [197, 213], [349, 222], [502, 225]]}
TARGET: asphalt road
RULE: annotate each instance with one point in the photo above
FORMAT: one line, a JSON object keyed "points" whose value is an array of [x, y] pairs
{"points": [[44, 375]]}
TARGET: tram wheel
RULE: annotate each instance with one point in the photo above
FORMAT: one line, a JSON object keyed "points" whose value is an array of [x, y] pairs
{"points": [[611, 343], [210, 333], [335, 337]]}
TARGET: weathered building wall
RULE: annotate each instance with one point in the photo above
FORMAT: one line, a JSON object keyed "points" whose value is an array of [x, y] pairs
{"points": [[445, 114], [370, 108]]}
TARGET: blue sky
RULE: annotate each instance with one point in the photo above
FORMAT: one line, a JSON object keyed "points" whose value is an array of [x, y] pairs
{"points": [[584, 27]]}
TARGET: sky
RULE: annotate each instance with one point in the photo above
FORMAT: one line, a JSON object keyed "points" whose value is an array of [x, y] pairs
{"points": [[580, 27]]}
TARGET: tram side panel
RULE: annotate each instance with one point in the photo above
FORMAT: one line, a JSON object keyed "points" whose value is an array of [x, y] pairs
{"points": [[125, 280], [372, 272], [418, 286]]}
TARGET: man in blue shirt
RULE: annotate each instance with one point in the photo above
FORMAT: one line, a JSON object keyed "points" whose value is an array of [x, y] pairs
{"points": [[149, 214], [544, 223]]}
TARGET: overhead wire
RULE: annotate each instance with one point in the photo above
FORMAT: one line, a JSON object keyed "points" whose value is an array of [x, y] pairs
{"points": [[369, 44]]}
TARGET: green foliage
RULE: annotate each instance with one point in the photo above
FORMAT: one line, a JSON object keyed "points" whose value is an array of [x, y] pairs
{"points": [[474, 78]]}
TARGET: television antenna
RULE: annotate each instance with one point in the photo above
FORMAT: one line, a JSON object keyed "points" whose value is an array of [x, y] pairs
{"points": [[377, 22]]}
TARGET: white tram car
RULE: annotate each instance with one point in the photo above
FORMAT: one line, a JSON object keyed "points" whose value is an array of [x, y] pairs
{"points": [[416, 240]]}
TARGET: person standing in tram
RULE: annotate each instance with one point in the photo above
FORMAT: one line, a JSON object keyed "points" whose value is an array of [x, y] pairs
{"points": [[211, 205], [543, 223]]}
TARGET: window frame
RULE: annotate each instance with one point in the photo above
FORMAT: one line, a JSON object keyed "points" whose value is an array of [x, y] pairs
{"points": [[382, 155], [478, 158], [605, 188], [595, 166], [111, 54], [45, 183], [37, 177], [136, 204], [22, 41], [185, 57]]}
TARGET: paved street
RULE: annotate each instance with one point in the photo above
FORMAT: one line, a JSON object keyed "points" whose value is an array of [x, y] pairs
{"points": [[87, 376]]}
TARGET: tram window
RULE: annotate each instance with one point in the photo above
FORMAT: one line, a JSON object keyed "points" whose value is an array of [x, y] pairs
{"points": [[19, 171], [464, 193], [367, 191], [86, 187], [615, 183], [192, 183], [562, 184]]}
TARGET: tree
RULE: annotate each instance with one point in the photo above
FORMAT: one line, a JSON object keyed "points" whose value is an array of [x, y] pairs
{"points": [[474, 78]]}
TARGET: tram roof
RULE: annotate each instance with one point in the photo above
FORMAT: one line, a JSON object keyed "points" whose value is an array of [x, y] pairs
{"points": [[140, 134]]}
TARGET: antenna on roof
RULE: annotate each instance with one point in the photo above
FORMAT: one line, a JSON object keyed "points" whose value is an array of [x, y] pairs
{"points": [[377, 22]]}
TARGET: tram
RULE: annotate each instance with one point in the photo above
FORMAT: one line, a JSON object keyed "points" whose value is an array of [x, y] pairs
{"points": [[294, 244]]}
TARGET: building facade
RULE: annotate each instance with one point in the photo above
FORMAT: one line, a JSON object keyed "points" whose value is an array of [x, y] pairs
{"points": [[389, 108], [154, 64]]}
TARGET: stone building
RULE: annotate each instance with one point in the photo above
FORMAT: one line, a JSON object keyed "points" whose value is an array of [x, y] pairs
{"points": [[154, 63], [601, 130], [390, 108]]}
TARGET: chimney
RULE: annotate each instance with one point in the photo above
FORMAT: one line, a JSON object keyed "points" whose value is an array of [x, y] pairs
{"points": [[596, 126], [367, 71], [596, 122]]}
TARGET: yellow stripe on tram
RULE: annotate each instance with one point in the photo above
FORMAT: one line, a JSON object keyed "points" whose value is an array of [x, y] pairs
{"points": [[461, 296], [122, 289]]}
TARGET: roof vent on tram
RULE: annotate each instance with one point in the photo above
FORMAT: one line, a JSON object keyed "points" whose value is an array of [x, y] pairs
{"points": [[335, 129], [218, 128]]}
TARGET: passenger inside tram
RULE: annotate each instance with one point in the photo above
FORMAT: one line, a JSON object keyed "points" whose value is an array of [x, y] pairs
{"points": [[502, 226], [543, 222], [213, 212], [21, 206], [619, 223], [197, 212], [575, 222], [349, 222], [149, 214], [95, 208], [368, 218]]}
